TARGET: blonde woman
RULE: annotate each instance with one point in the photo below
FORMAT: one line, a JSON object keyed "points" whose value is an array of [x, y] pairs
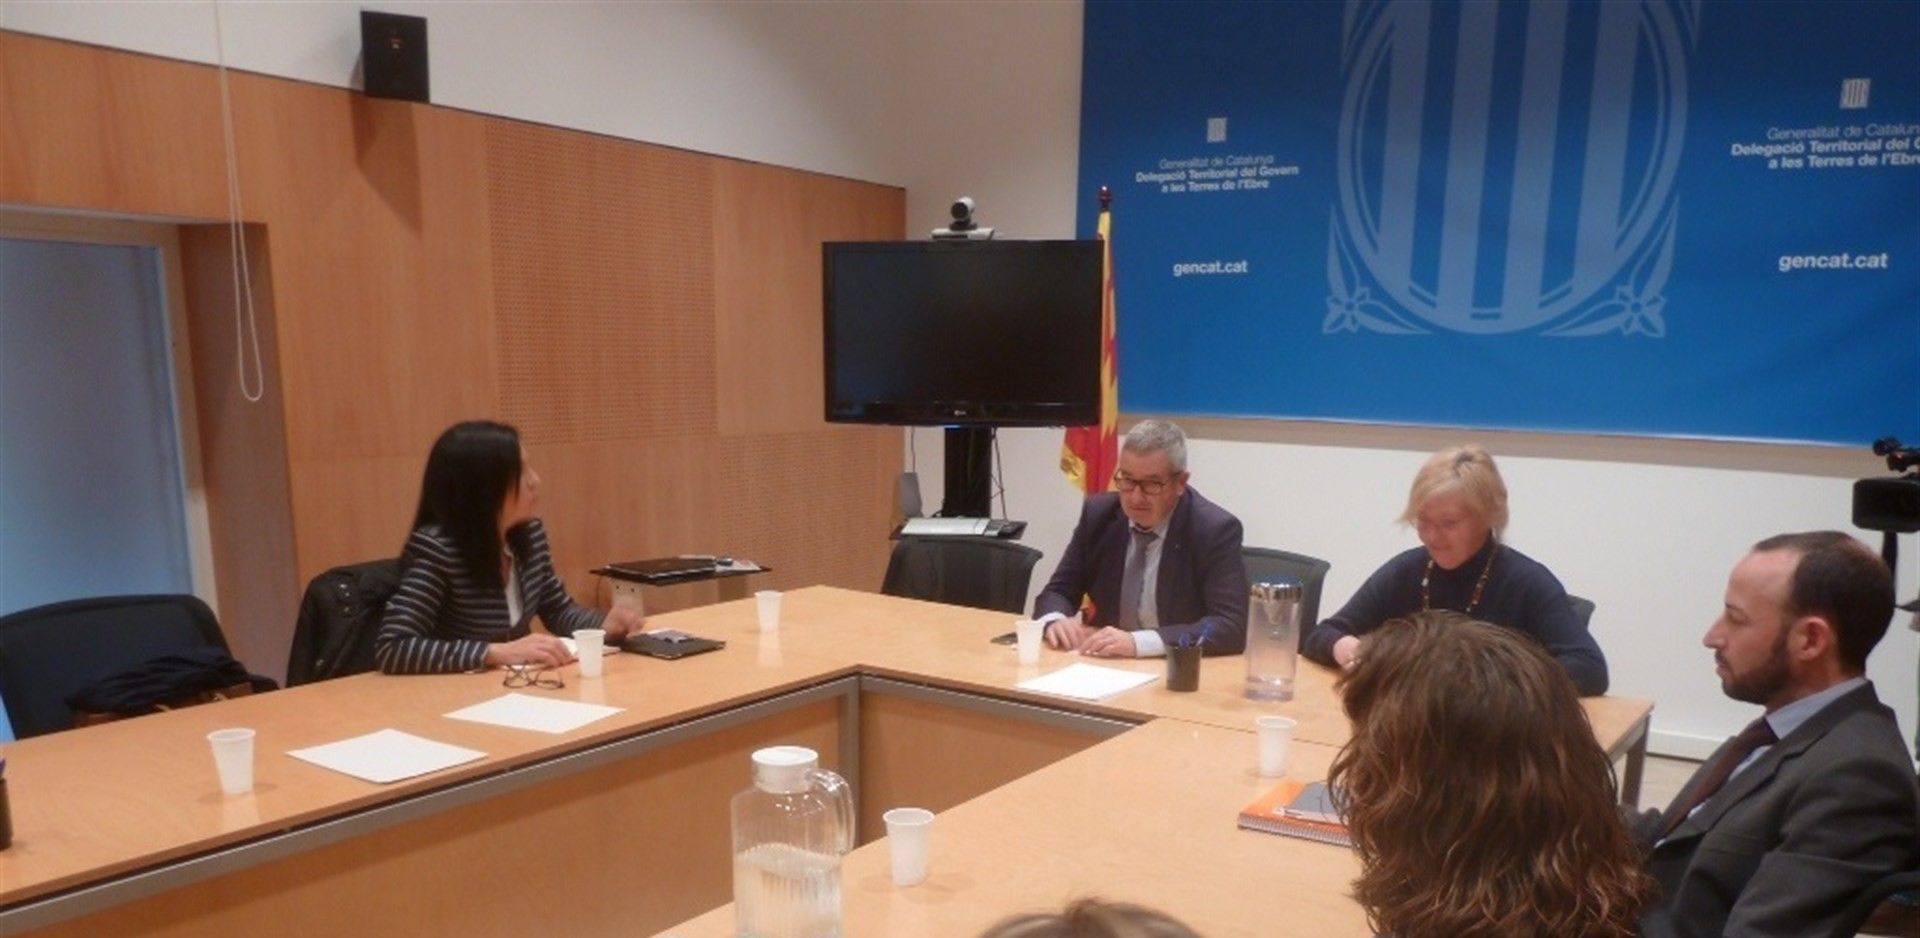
{"points": [[1478, 800], [1458, 506]]}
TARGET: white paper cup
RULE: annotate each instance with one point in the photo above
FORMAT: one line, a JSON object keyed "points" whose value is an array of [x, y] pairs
{"points": [[1027, 634], [589, 646], [768, 602], [1276, 737], [233, 757], [907, 832]]}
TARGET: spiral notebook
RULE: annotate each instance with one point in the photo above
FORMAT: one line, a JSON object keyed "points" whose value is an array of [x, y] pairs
{"points": [[1297, 809]]}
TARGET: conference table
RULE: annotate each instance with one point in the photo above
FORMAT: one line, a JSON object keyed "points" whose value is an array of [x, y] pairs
{"points": [[621, 826]]}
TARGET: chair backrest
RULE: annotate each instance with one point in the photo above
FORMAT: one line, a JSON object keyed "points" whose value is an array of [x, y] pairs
{"points": [[1267, 563], [49, 652], [1582, 609], [339, 618], [985, 573]]}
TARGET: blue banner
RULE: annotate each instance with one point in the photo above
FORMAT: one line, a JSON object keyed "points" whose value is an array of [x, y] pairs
{"points": [[1655, 217]]}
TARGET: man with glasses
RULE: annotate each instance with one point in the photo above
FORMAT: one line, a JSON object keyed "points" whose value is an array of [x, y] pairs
{"points": [[1150, 566]]}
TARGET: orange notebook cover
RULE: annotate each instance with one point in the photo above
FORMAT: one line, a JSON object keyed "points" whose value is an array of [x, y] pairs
{"points": [[1266, 814]]}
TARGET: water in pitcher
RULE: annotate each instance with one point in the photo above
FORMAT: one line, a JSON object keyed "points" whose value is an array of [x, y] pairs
{"points": [[782, 891], [1273, 639]]}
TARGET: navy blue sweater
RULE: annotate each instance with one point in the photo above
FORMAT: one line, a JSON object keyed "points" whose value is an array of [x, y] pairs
{"points": [[1521, 594]]}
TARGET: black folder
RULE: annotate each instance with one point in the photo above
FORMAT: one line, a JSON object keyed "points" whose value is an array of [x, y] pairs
{"points": [[670, 644]]}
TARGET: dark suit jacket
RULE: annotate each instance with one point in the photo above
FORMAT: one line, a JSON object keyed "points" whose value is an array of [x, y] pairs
{"points": [[1781, 849], [1202, 586]]}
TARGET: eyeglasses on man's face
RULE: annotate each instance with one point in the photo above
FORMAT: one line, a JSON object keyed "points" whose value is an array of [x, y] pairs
{"points": [[1127, 483], [532, 675]]}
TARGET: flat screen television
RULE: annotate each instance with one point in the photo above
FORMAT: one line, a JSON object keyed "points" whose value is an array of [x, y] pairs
{"points": [[963, 333]]}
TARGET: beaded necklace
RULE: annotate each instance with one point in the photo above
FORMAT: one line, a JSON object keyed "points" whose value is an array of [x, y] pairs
{"points": [[1479, 586]]}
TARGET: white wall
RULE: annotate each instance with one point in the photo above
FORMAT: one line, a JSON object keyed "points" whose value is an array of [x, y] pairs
{"points": [[983, 99]]}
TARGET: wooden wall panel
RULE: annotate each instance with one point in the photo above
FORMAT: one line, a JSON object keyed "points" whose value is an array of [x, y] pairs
{"points": [[769, 226], [626, 499], [378, 209], [243, 447], [603, 285], [815, 506], [650, 317], [115, 131], [812, 499]]}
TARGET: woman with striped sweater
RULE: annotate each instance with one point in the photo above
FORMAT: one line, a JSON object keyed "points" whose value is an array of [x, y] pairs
{"points": [[476, 568]]}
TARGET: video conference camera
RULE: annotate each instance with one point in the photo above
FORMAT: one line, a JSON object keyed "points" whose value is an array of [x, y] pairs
{"points": [[963, 227]]}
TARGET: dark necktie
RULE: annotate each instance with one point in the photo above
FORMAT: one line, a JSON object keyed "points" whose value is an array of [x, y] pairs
{"points": [[1757, 734], [1133, 579]]}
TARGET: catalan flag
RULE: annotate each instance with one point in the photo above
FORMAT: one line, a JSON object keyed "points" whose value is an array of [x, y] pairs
{"points": [[1089, 455]]}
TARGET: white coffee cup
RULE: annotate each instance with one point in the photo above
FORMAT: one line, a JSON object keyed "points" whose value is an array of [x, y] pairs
{"points": [[589, 647], [908, 830], [768, 603], [1276, 737], [1027, 634], [233, 758]]}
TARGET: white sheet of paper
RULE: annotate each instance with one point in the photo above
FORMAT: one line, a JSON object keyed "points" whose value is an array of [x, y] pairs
{"points": [[1087, 681], [527, 712], [386, 756]]}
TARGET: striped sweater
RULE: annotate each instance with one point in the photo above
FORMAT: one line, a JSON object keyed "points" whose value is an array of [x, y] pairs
{"points": [[442, 617]]}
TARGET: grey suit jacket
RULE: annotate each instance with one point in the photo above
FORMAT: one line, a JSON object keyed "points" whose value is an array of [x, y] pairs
{"points": [[1788, 842]]}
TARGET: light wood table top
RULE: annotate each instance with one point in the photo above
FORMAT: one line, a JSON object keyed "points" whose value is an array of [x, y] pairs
{"points": [[96, 803], [948, 646], [1145, 817]]}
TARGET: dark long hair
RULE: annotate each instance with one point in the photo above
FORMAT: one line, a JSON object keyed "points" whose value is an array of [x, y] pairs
{"points": [[472, 469], [1478, 800]]}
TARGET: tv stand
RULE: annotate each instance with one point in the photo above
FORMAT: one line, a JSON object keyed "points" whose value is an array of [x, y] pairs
{"points": [[969, 483]]}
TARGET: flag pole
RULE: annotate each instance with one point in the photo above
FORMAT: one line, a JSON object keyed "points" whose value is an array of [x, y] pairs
{"points": [[1088, 454]]}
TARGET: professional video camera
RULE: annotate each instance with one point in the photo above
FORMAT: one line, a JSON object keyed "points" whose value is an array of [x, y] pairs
{"points": [[1891, 506]]}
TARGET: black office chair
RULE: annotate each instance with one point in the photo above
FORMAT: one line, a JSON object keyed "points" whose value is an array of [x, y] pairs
{"points": [[49, 652], [1582, 609], [339, 619], [985, 573], [1266, 563]]}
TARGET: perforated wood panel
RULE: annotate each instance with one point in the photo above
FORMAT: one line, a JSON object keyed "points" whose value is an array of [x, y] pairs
{"points": [[814, 505], [602, 283], [769, 224]]}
